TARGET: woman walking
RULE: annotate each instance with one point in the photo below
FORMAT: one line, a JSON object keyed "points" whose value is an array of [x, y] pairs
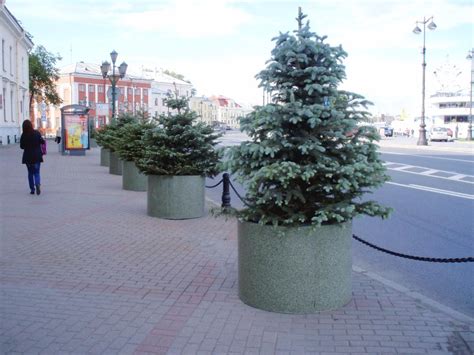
{"points": [[30, 142]]}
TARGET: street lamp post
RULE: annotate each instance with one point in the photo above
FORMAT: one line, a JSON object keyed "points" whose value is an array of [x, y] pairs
{"points": [[422, 137], [113, 77], [469, 127]]}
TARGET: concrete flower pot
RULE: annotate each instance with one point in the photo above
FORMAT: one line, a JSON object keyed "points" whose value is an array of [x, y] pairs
{"points": [[294, 270], [115, 166], [104, 157], [132, 179], [175, 197]]}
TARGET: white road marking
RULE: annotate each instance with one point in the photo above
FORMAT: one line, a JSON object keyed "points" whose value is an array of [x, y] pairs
{"points": [[430, 172], [458, 177], [432, 189]]}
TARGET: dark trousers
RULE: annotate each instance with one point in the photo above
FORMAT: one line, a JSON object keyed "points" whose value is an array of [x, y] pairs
{"points": [[34, 175]]}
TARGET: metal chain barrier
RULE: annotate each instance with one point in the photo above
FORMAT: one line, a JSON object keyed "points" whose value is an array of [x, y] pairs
{"points": [[414, 257], [226, 203]]}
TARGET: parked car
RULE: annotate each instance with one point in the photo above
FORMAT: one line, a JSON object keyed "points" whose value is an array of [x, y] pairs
{"points": [[388, 131], [441, 134]]}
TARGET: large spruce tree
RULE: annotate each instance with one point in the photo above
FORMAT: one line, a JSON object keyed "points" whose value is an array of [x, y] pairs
{"points": [[308, 161]]}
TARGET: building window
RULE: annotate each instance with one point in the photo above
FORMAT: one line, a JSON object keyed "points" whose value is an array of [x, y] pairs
{"points": [[455, 119], [11, 60], [82, 87], [4, 104], [3, 56], [11, 103], [137, 91], [145, 92], [100, 88], [130, 91], [156, 102], [122, 91], [92, 88]]}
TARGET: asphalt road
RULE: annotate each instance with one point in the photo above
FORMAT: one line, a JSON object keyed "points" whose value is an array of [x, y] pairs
{"points": [[432, 194]]}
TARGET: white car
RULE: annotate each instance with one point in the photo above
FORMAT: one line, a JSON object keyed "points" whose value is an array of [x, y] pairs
{"points": [[441, 134]]}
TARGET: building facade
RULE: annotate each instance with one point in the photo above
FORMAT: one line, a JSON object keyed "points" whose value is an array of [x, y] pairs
{"points": [[219, 110], [82, 83], [14, 83], [451, 109], [161, 85]]}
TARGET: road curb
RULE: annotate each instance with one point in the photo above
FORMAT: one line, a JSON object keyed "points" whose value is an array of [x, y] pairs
{"points": [[415, 295]]}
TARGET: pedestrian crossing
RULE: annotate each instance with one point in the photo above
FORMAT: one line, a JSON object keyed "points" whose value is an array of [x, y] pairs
{"points": [[420, 170]]}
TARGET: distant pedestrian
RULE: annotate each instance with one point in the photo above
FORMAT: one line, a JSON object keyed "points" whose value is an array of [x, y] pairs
{"points": [[31, 142], [456, 131]]}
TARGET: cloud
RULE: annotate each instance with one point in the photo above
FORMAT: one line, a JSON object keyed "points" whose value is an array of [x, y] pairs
{"points": [[191, 19]]}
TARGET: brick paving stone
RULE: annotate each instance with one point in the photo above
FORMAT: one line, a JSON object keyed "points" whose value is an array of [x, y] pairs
{"points": [[101, 277]]}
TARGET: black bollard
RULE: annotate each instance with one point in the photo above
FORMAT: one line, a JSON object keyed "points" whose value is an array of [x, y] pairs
{"points": [[225, 190]]}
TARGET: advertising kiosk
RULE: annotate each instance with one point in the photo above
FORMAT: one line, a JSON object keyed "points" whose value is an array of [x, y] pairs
{"points": [[75, 130]]}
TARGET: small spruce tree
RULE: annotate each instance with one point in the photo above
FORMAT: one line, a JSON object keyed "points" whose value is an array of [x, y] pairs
{"points": [[308, 162], [109, 136], [130, 145], [179, 145]]}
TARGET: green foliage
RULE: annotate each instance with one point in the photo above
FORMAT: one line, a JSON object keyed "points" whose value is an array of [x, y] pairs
{"points": [[43, 75], [175, 75], [178, 145], [109, 136], [130, 145], [308, 162]]}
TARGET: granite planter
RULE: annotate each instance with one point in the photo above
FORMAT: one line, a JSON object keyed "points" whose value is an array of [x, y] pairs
{"points": [[104, 157], [294, 270], [115, 166], [175, 197], [132, 178]]}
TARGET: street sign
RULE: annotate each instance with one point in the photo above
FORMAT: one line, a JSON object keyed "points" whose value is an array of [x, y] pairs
{"points": [[109, 94]]}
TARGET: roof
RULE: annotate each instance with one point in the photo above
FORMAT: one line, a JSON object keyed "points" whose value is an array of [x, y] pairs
{"points": [[225, 101], [89, 69]]}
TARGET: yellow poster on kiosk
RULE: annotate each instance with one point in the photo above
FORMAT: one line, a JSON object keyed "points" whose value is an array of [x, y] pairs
{"points": [[77, 132]]}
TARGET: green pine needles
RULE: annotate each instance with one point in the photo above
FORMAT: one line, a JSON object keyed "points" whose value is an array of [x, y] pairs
{"points": [[308, 162], [178, 145], [130, 144], [109, 136]]}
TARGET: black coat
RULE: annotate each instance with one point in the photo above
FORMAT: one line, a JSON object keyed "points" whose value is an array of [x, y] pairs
{"points": [[31, 144]]}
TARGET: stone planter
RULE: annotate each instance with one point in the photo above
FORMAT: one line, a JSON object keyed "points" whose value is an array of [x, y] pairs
{"points": [[93, 143], [294, 270], [132, 179], [175, 197], [104, 157], [115, 166]]}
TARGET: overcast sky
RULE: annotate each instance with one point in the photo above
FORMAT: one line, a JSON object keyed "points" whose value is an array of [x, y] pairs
{"points": [[220, 45]]}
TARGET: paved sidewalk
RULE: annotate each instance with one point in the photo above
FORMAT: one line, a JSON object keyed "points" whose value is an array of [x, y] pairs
{"points": [[84, 270]]}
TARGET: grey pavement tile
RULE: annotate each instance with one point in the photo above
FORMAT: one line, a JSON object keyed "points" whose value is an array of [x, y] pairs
{"points": [[104, 278]]}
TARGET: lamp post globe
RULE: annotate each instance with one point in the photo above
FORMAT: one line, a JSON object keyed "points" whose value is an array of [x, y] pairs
{"points": [[113, 77]]}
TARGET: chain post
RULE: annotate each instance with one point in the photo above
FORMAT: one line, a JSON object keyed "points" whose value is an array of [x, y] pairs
{"points": [[226, 191]]}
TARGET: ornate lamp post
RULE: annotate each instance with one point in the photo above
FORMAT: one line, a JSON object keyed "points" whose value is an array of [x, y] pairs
{"points": [[422, 137], [113, 77], [469, 128]]}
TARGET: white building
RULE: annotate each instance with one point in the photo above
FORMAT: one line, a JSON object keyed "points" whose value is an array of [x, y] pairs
{"points": [[450, 105], [14, 83], [161, 85], [451, 109]]}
